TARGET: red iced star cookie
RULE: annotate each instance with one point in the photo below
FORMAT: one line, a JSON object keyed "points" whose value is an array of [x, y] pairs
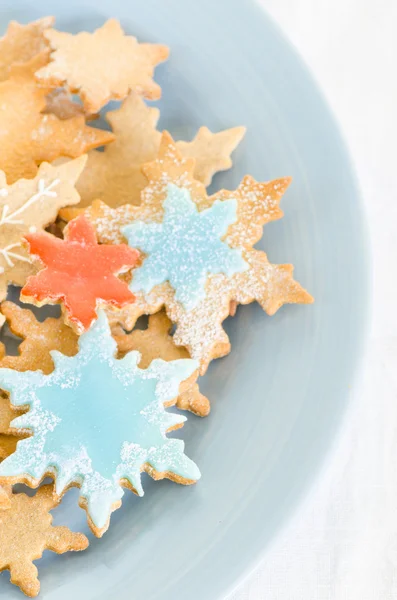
{"points": [[78, 272]]}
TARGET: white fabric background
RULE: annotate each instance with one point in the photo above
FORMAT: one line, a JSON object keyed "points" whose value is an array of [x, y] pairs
{"points": [[342, 542]]}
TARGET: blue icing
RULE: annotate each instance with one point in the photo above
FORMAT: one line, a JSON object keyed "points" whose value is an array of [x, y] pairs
{"points": [[185, 247], [97, 420]]}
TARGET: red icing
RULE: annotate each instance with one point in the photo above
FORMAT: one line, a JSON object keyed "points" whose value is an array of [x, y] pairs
{"points": [[79, 272]]}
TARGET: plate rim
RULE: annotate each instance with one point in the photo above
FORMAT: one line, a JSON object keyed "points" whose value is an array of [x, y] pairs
{"points": [[366, 309]]}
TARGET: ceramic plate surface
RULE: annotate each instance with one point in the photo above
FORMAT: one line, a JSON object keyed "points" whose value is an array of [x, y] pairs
{"points": [[279, 396]]}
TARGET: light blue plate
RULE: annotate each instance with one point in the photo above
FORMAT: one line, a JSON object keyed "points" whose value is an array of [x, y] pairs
{"points": [[280, 395]]}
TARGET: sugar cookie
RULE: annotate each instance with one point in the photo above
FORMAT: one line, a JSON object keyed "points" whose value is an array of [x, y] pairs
{"points": [[115, 175], [196, 280], [30, 137], [28, 206], [78, 273], [21, 43], [89, 397], [102, 66], [156, 342], [26, 530]]}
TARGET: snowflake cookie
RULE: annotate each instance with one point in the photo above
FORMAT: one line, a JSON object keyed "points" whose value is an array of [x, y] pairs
{"points": [[21, 43], [79, 273], [157, 342], [29, 137], [38, 339], [26, 530], [88, 398], [115, 175], [30, 205], [198, 254], [85, 65]]}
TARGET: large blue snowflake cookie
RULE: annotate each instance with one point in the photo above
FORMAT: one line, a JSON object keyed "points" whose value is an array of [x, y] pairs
{"points": [[97, 422]]}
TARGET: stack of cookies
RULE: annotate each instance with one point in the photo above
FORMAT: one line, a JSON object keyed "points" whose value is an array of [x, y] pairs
{"points": [[110, 236]]}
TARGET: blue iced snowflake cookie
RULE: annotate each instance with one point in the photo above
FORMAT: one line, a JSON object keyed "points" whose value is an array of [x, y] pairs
{"points": [[185, 247], [96, 421]]}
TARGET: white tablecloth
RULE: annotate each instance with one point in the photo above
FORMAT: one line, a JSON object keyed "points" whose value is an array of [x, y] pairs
{"points": [[342, 542]]}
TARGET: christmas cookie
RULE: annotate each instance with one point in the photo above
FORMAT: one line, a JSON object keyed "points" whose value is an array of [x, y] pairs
{"points": [[30, 137], [28, 206], [198, 253], [157, 342], [102, 66], [115, 175], [39, 338], [79, 273], [21, 43], [87, 398], [26, 530]]}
